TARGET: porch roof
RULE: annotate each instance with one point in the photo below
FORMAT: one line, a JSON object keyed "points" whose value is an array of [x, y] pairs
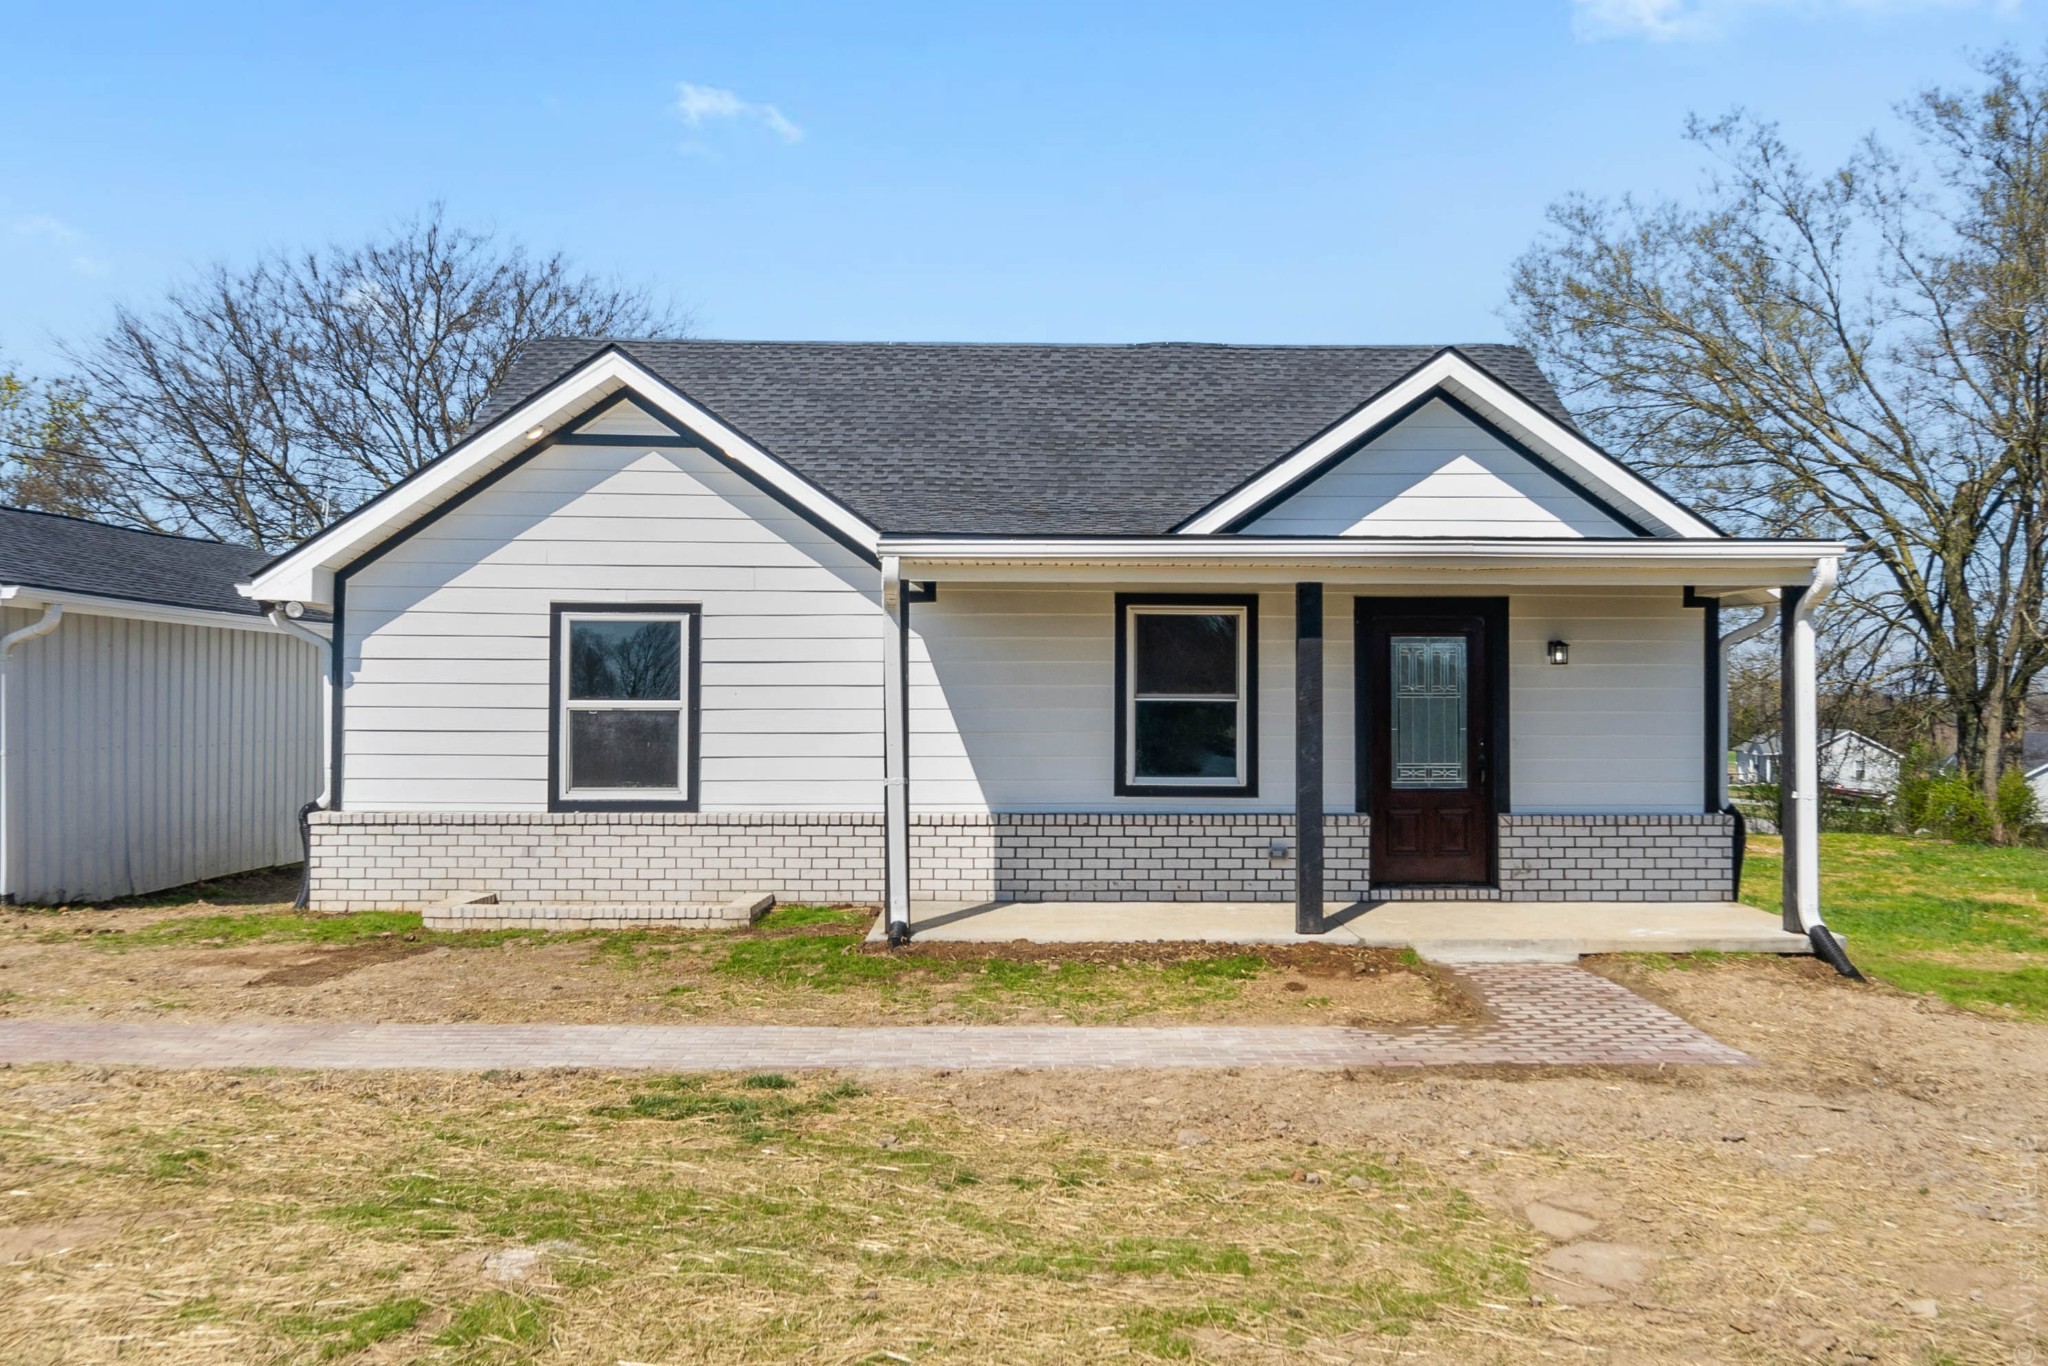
{"points": [[1722, 566]]}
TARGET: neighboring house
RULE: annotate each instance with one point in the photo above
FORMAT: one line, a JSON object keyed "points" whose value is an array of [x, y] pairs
{"points": [[2034, 763], [1849, 762], [682, 620], [155, 728]]}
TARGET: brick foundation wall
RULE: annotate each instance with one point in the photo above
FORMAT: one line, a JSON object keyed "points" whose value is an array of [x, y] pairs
{"points": [[1617, 858], [370, 859]]}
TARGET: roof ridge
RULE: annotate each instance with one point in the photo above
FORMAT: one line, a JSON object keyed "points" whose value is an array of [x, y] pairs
{"points": [[559, 339], [115, 526]]}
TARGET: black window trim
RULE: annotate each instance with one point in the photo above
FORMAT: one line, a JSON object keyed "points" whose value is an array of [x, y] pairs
{"points": [[1248, 603], [692, 709]]}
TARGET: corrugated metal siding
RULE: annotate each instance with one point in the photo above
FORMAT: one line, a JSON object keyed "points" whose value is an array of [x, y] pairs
{"points": [[147, 755]]}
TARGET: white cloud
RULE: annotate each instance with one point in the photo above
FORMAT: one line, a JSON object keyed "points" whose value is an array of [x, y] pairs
{"points": [[1669, 21], [699, 105], [67, 240]]}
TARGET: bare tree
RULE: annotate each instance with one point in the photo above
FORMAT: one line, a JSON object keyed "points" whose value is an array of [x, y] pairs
{"points": [[259, 404], [1861, 354]]}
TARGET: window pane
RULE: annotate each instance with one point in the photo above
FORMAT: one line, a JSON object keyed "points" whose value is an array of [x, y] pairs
{"points": [[619, 661], [625, 749], [1186, 740], [1428, 712], [1186, 652]]}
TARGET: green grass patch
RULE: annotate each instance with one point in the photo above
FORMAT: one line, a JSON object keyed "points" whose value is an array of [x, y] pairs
{"points": [[491, 1323], [340, 1335], [275, 926], [1967, 923]]}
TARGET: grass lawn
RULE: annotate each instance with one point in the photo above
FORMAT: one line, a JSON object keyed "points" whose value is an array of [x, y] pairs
{"points": [[668, 1219], [1968, 923]]}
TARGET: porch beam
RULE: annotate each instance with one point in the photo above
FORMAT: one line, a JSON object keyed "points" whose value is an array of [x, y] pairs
{"points": [[1308, 758], [896, 750]]}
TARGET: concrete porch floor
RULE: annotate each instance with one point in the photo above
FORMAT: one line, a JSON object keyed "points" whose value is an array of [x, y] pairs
{"points": [[1441, 931]]}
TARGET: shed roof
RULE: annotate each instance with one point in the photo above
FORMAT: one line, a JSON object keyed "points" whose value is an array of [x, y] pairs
{"points": [[71, 555], [1008, 440]]}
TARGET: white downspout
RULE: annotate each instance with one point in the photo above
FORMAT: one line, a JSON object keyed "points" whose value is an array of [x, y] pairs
{"points": [[325, 646], [1728, 644], [53, 613], [896, 752], [1799, 746]]}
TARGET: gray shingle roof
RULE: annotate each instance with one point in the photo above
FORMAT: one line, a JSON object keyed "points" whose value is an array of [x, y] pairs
{"points": [[996, 439], [69, 555]]}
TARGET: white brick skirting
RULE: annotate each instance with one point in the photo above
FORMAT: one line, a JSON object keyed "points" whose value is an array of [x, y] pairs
{"points": [[369, 859], [1617, 858]]}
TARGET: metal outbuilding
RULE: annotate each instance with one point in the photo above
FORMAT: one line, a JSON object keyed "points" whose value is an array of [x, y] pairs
{"points": [[155, 727]]}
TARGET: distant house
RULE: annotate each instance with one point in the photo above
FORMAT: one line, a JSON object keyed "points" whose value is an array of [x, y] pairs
{"points": [[2034, 763], [156, 728], [1849, 761]]}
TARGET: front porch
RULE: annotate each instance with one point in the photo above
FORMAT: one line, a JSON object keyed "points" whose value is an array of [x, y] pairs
{"points": [[1471, 931], [1508, 750]]}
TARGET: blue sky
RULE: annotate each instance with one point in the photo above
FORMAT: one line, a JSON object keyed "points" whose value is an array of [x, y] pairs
{"points": [[1269, 172]]}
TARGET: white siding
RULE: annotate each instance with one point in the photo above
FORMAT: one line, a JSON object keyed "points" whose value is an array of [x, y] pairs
{"points": [[446, 660], [146, 755], [624, 419], [1436, 474], [1619, 728], [1018, 712]]}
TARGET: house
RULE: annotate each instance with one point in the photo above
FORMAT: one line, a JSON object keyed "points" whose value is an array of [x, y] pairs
{"points": [[949, 623], [2034, 764], [1850, 762], [155, 727]]}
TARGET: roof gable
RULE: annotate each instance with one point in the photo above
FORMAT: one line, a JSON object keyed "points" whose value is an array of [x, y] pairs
{"points": [[1438, 471], [1452, 376]]}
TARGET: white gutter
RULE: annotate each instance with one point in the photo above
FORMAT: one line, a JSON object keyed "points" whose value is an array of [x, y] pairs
{"points": [[53, 613], [1728, 644], [134, 609], [1711, 566]]}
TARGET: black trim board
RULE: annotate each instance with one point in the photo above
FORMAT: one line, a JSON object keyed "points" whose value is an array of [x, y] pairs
{"points": [[1712, 700], [1544, 464], [1493, 612], [1249, 602], [1308, 758], [692, 701]]}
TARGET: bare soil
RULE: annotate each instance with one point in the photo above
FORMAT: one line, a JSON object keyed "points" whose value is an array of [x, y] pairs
{"points": [[79, 965]]}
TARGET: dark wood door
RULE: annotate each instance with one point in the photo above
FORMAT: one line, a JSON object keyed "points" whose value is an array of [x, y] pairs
{"points": [[1426, 704]]}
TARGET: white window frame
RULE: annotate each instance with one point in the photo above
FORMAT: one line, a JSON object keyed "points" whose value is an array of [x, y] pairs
{"points": [[1241, 780], [565, 793]]}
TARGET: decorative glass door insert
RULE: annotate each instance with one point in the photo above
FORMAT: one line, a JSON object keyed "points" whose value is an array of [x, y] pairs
{"points": [[1428, 721]]}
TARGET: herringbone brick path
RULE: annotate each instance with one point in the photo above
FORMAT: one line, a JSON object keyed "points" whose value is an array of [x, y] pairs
{"points": [[1538, 1015]]}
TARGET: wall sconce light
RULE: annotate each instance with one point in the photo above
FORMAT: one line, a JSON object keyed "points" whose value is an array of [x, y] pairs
{"points": [[1557, 652]]}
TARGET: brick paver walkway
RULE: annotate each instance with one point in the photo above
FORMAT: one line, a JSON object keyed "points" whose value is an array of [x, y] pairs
{"points": [[1539, 1015]]}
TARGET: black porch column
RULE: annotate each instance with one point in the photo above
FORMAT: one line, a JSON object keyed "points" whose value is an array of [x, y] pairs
{"points": [[1308, 758]]}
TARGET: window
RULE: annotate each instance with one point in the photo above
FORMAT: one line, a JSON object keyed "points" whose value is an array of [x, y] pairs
{"points": [[1186, 671], [625, 725]]}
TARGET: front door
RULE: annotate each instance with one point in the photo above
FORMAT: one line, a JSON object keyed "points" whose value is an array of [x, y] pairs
{"points": [[1426, 711]]}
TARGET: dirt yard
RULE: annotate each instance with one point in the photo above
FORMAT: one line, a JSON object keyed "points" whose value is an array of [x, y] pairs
{"points": [[216, 959], [1871, 1192]]}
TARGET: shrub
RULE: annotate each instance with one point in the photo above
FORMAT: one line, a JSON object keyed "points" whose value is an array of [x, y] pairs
{"points": [[2017, 807], [1949, 804]]}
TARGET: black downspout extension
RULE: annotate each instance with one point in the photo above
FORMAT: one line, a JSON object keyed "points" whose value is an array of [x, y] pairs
{"points": [[306, 850], [1828, 949]]}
